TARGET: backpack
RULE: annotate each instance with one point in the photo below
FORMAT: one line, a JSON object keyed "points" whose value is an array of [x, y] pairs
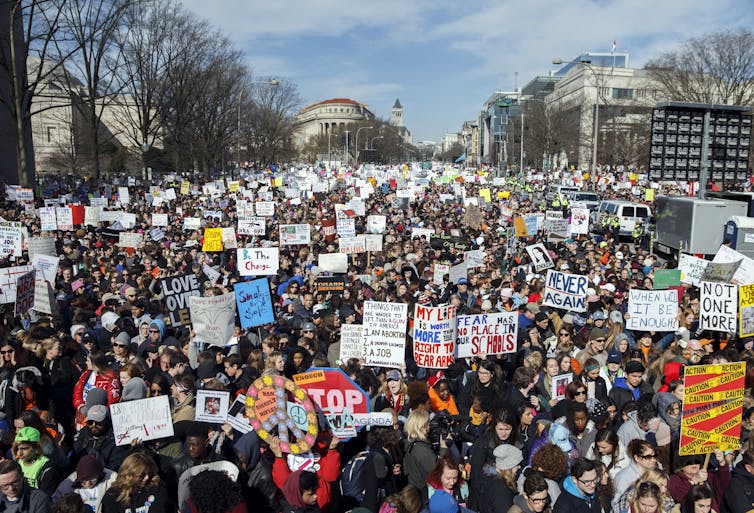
{"points": [[352, 477]]}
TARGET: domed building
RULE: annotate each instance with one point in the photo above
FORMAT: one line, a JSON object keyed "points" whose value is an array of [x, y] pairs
{"points": [[329, 116]]}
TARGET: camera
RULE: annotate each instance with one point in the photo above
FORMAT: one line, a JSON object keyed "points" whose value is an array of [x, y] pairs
{"points": [[443, 425]]}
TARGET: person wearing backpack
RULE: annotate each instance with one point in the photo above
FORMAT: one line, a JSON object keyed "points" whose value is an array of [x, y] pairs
{"points": [[359, 481], [420, 458]]}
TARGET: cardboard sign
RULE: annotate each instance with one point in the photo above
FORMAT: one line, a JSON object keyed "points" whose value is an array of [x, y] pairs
{"points": [[10, 239], [64, 216], [712, 408], [692, 268], [745, 272], [25, 292], [440, 270], [159, 219], [566, 291], [487, 334], [520, 225], [474, 258], [211, 406], [48, 219], [143, 419], [191, 223], [653, 310], [717, 306], [47, 267], [351, 245], [213, 318], [337, 395], [666, 278], [258, 261], [294, 234], [372, 242], [746, 310], [434, 336], [254, 303], [237, 415], [176, 291], [130, 240], [720, 272], [350, 342], [559, 385], [384, 335], [333, 262], [265, 208], [540, 258], [376, 224], [229, 237]]}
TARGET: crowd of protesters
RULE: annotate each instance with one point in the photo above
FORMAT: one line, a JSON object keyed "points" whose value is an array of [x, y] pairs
{"points": [[483, 435]]}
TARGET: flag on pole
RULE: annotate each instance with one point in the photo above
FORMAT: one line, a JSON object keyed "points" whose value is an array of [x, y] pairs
{"points": [[613, 46]]}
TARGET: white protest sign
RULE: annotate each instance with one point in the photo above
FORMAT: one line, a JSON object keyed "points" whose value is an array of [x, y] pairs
{"points": [[692, 268], [10, 239], [474, 258], [350, 341], [440, 271], [211, 406], [350, 245], [252, 226], [539, 256], [8, 278], [143, 419], [718, 303], [580, 220], [41, 246], [25, 292], [554, 214], [92, 215], [434, 336], [294, 234], [44, 297], [345, 227], [376, 224], [486, 334], [130, 240], [744, 275], [652, 310], [48, 219], [123, 196], [566, 291], [191, 223], [64, 216], [373, 242], [213, 318], [236, 415], [384, 336], [47, 266], [457, 272], [333, 262], [258, 261], [159, 219], [265, 208]]}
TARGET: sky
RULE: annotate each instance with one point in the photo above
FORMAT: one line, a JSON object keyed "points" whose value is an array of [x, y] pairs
{"points": [[444, 58]]}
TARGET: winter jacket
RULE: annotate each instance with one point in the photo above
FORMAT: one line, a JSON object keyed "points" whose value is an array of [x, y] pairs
{"points": [[739, 496], [572, 500], [329, 471], [624, 479], [519, 505], [103, 447], [622, 394], [493, 495], [679, 485], [93, 496], [418, 462], [145, 500], [109, 382], [32, 501]]}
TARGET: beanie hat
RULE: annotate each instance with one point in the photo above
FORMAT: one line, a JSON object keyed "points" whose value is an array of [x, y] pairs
{"points": [[88, 468], [135, 389], [507, 456], [442, 502]]}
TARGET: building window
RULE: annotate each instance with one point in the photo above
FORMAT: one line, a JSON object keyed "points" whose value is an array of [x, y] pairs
{"points": [[52, 133], [604, 91], [622, 94]]}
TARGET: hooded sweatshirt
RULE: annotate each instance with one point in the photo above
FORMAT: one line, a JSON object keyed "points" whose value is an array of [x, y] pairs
{"points": [[572, 499]]}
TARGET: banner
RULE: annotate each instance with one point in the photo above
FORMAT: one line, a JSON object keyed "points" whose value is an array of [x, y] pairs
{"points": [[254, 303], [384, 335], [717, 306], [692, 268], [294, 234], [434, 336], [213, 318], [350, 342], [652, 310], [720, 272], [712, 408], [746, 310], [566, 291], [25, 292], [176, 291], [143, 419], [258, 261], [487, 334], [745, 272], [540, 258]]}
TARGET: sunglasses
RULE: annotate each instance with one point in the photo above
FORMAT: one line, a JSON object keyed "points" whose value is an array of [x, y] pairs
{"points": [[88, 342], [120, 345], [648, 457], [8, 351], [93, 422], [154, 331], [580, 392]]}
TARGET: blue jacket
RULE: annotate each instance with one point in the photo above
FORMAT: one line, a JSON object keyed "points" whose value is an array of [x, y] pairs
{"points": [[573, 500]]}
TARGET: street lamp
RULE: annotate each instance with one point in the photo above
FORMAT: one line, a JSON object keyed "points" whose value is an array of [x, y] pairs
{"points": [[356, 141], [329, 154], [144, 151], [272, 82], [595, 136], [348, 157]]}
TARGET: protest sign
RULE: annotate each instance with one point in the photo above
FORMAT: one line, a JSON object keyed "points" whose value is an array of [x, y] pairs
{"points": [[717, 306], [384, 335], [474, 258], [92, 215], [211, 273], [142, 419], [745, 272], [44, 297], [229, 237], [440, 270], [48, 220], [559, 385], [566, 291], [213, 239], [712, 407], [473, 217], [130, 240], [25, 292], [191, 223], [41, 246], [337, 395], [434, 336], [554, 214], [329, 229], [372, 242], [159, 219], [532, 225], [652, 310], [558, 230], [213, 318], [293, 234], [8, 279], [252, 226], [333, 262], [254, 303], [350, 342], [720, 271], [211, 406], [176, 291], [457, 272], [351, 245], [10, 239], [580, 221], [334, 284], [123, 196], [666, 278], [47, 267], [487, 334], [237, 415], [258, 261], [746, 310], [376, 224], [64, 216], [422, 233], [540, 258], [520, 226], [346, 227], [265, 208], [692, 268]]}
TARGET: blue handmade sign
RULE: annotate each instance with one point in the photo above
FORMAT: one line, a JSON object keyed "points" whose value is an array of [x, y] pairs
{"points": [[254, 303]]}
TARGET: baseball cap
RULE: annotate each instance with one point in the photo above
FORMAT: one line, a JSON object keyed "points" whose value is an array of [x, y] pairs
{"points": [[614, 357], [27, 434], [463, 281], [558, 435], [619, 255], [393, 375], [599, 315], [309, 326], [533, 308], [596, 333], [442, 502], [97, 413]]}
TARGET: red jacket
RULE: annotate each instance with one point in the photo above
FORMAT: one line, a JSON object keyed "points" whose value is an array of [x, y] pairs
{"points": [[329, 471], [109, 382]]}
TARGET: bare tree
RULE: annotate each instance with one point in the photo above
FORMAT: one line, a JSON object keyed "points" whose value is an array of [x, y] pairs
{"points": [[713, 68], [271, 121]]}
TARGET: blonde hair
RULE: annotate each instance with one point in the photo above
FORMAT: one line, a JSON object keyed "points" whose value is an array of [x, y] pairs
{"points": [[416, 424], [272, 359], [45, 346], [131, 473], [509, 478]]}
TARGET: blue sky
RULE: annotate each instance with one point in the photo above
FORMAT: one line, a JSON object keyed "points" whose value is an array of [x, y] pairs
{"points": [[444, 58]]}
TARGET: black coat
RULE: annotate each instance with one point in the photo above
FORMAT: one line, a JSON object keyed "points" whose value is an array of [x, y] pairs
{"points": [[739, 496], [493, 495]]}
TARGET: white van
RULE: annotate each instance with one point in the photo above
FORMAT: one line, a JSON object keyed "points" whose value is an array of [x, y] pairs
{"points": [[628, 212], [554, 190]]}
